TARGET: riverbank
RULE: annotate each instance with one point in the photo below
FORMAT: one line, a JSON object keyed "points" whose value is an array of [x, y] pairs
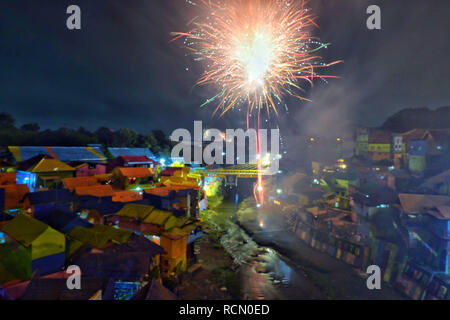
{"points": [[334, 278], [215, 278]]}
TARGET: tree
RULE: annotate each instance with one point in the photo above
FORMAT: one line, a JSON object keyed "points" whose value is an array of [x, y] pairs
{"points": [[125, 138], [6, 121], [34, 127], [105, 136]]}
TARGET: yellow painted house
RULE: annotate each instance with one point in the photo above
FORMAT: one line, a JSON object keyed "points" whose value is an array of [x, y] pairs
{"points": [[41, 249]]}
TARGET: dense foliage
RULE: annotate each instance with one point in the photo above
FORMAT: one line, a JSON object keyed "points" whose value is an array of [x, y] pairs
{"points": [[31, 135]]}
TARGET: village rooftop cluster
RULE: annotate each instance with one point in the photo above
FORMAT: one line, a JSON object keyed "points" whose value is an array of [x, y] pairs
{"points": [[386, 204], [128, 221]]}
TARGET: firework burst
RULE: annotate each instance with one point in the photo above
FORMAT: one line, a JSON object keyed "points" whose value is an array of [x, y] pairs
{"points": [[255, 51]]}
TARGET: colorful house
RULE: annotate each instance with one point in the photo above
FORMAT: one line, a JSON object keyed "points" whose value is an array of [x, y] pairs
{"points": [[131, 162], [6, 166], [12, 197], [83, 169], [179, 199], [398, 150], [379, 147], [46, 173], [135, 178], [72, 183], [119, 254], [56, 289], [64, 222], [361, 142], [98, 237], [64, 154], [438, 184], [172, 233], [32, 247], [427, 219], [39, 204], [117, 152]]}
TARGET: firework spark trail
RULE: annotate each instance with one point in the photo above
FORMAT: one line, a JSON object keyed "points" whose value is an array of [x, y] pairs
{"points": [[255, 52]]}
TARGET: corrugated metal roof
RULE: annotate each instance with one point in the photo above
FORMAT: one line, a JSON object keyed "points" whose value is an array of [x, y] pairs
{"points": [[158, 217], [65, 154], [117, 152]]}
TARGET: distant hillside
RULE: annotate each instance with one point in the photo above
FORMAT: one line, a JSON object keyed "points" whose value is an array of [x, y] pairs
{"points": [[422, 118]]}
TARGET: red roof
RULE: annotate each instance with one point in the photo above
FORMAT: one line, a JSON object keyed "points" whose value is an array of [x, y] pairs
{"points": [[380, 136], [169, 171]]}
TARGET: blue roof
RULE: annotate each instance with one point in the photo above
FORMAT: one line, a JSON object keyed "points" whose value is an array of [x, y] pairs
{"points": [[117, 152], [126, 266], [105, 206], [43, 197], [64, 221], [64, 154]]}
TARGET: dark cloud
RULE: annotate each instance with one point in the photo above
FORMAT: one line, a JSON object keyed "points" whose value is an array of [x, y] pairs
{"points": [[121, 70]]}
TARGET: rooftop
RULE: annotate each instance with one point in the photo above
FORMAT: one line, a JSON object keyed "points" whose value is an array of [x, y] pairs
{"points": [[117, 152], [66, 154], [24, 229], [423, 203], [136, 172]]}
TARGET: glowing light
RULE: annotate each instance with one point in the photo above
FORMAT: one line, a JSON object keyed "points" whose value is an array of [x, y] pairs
{"points": [[279, 191], [260, 188], [261, 224], [254, 51]]}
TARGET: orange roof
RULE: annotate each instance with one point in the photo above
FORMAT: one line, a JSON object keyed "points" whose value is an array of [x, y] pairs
{"points": [[51, 165], [72, 183], [14, 193], [95, 191], [136, 172], [160, 191], [180, 182], [126, 196], [7, 178], [103, 177], [164, 191]]}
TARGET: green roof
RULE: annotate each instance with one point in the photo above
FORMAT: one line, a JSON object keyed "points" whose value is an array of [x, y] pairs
{"points": [[137, 211], [24, 229], [98, 236], [158, 217]]}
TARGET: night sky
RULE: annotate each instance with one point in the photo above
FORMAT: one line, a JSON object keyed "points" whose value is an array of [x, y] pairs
{"points": [[120, 70]]}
